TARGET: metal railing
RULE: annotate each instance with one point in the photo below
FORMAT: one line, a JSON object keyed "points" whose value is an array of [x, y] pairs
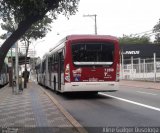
{"points": [[140, 69]]}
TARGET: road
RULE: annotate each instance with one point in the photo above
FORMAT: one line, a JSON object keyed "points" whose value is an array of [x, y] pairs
{"points": [[128, 107]]}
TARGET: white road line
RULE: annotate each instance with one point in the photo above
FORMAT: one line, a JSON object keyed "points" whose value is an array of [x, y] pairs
{"points": [[129, 101], [146, 93]]}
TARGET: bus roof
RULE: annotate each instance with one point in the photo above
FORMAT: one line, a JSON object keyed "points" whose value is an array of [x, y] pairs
{"points": [[75, 37], [83, 37]]}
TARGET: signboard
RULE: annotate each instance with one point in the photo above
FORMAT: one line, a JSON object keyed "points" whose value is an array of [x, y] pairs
{"points": [[140, 51], [132, 52]]}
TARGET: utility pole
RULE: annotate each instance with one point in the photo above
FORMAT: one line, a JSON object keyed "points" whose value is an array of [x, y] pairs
{"points": [[16, 63], [10, 64], [17, 69], [95, 21]]}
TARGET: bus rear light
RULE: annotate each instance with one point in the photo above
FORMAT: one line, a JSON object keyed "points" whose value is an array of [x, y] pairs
{"points": [[118, 72], [67, 73]]}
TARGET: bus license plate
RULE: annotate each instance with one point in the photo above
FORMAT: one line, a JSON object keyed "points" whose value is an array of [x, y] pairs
{"points": [[93, 79]]}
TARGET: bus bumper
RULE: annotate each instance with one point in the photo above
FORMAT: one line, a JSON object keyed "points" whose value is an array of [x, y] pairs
{"points": [[90, 86]]}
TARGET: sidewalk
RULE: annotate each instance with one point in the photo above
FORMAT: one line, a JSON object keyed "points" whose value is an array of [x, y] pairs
{"points": [[31, 111], [142, 84]]}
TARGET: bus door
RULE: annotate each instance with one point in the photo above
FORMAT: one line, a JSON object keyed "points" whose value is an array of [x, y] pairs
{"points": [[59, 70], [50, 69]]}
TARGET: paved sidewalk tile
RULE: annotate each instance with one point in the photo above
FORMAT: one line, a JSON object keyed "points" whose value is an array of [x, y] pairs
{"points": [[31, 111]]}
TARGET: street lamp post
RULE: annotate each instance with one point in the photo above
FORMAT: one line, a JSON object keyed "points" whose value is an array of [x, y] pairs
{"points": [[10, 64], [95, 21]]}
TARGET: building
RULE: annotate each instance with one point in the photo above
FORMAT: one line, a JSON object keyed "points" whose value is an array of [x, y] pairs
{"points": [[142, 51], [140, 62]]}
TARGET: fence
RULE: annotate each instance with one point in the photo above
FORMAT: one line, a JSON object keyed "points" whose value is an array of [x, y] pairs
{"points": [[141, 69]]}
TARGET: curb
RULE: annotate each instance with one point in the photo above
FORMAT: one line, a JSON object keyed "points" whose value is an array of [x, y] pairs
{"points": [[70, 118]]}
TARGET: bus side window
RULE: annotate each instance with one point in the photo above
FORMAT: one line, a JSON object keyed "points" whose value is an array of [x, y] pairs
{"points": [[43, 66], [50, 59], [62, 60], [63, 53], [56, 62], [52, 63]]}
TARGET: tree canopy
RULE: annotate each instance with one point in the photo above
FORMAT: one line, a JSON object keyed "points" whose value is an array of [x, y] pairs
{"points": [[130, 39], [25, 13], [36, 31], [156, 29]]}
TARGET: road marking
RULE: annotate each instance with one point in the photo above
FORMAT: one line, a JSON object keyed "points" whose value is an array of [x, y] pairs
{"points": [[129, 101], [146, 93]]}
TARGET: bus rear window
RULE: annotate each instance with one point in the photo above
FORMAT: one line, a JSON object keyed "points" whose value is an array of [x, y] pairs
{"points": [[93, 53]]}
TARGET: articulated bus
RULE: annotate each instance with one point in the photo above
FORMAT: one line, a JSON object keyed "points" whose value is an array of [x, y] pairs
{"points": [[81, 63]]}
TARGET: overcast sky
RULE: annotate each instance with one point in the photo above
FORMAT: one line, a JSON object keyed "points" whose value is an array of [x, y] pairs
{"points": [[114, 17]]}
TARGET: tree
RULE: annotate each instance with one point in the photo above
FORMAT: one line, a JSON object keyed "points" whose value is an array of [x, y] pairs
{"points": [[156, 29], [37, 30], [134, 39], [27, 12]]}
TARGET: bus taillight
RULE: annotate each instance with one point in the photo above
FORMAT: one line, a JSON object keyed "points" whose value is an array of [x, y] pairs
{"points": [[67, 73], [118, 72]]}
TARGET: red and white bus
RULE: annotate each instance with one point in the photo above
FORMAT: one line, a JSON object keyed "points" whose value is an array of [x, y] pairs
{"points": [[81, 63]]}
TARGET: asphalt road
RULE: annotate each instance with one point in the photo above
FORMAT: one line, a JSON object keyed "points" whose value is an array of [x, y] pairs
{"points": [[128, 107]]}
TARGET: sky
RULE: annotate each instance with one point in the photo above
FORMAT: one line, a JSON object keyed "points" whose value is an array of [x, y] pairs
{"points": [[114, 17]]}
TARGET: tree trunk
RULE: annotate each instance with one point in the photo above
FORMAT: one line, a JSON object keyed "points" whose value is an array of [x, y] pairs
{"points": [[25, 73], [22, 28]]}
